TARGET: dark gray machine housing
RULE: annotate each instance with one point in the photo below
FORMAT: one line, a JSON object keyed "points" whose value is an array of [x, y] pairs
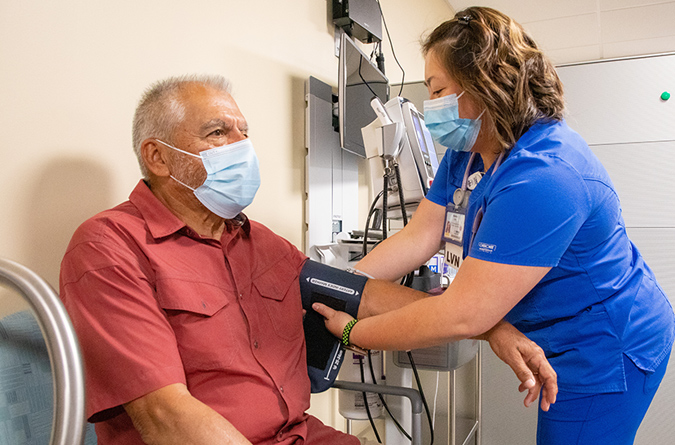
{"points": [[361, 19]]}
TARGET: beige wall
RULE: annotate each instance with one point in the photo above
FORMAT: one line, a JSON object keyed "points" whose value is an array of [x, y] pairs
{"points": [[72, 72]]}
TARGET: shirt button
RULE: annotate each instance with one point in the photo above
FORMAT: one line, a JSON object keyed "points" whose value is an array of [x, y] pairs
{"points": [[255, 344], [281, 389], [241, 296]]}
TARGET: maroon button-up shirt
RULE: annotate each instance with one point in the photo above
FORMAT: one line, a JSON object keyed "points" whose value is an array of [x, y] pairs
{"points": [[153, 304]]}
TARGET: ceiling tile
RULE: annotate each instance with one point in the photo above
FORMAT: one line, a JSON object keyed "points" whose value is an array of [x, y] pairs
{"points": [[575, 54], [609, 5], [566, 32], [643, 22], [524, 11], [657, 45]]}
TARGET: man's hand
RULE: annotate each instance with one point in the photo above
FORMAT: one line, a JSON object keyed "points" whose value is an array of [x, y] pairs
{"points": [[527, 360]]}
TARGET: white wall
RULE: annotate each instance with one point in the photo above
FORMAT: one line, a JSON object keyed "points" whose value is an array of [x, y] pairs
{"points": [[582, 30]]}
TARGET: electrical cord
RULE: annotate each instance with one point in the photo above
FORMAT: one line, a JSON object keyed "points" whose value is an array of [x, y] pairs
{"points": [[424, 399], [365, 399], [385, 204], [408, 279], [364, 250], [371, 211], [433, 416], [384, 404], [392, 48], [364, 80], [408, 283]]}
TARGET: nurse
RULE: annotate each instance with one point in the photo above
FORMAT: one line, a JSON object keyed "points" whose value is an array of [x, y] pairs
{"points": [[532, 223]]}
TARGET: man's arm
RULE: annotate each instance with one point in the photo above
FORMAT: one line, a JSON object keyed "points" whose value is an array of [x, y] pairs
{"points": [[170, 415]]}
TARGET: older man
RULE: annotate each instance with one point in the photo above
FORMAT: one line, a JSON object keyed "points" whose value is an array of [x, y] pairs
{"points": [[188, 313]]}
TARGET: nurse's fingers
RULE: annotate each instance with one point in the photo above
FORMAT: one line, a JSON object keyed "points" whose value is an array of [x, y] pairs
{"points": [[335, 320], [544, 375], [549, 381], [527, 360], [324, 310]]}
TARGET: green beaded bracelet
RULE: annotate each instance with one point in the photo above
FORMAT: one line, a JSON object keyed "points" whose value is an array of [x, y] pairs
{"points": [[347, 331]]}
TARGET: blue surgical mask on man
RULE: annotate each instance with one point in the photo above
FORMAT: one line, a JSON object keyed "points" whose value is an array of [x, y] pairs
{"points": [[233, 177], [441, 117]]}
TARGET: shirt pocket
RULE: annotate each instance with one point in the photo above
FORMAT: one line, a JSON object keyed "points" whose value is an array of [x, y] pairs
{"points": [[280, 292], [203, 319]]}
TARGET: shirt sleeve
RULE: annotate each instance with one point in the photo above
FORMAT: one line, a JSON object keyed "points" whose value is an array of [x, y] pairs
{"points": [[128, 346], [533, 208]]}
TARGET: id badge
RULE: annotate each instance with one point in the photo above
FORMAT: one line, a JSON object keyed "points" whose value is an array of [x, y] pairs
{"points": [[453, 235], [453, 228]]}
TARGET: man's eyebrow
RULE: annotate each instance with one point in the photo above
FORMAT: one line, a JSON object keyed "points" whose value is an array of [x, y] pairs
{"points": [[214, 123], [219, 123]]}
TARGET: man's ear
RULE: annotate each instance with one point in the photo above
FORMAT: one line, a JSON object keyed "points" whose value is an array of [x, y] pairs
{"points": [[155, 158]]}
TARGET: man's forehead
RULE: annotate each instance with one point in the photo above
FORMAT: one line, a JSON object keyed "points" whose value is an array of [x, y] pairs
{"points": [[209, 103], [197, 94]]}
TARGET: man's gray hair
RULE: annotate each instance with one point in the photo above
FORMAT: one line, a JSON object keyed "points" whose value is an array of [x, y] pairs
{"points": [[161, 110]]}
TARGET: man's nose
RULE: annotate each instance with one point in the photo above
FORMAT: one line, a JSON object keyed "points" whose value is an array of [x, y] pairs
{"points": [[235, 135]]}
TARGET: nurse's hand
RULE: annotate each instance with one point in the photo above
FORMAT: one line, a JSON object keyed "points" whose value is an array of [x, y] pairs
{"points": [[527, 360], [335, 320]]}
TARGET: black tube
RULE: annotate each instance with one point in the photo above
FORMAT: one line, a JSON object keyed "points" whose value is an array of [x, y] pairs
{"points": [[385, 189], [365, 402]]}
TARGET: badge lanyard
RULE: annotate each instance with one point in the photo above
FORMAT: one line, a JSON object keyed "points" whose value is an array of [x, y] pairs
{"points": [[455, 216]]}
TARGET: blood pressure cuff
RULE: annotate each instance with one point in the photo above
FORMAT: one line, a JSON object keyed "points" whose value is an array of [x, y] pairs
{"points": [[339, 290]]}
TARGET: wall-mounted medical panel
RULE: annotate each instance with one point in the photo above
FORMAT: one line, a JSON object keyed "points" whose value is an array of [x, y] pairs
{"points": [[622, 101], [625, 111], [644, 177], [657, 246]]}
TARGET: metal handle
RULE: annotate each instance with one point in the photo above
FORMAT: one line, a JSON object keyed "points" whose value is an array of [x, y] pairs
{"points": [[412, 394], [69, 423]]}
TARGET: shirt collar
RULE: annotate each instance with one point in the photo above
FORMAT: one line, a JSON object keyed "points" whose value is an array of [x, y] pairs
{"points": [[161, 222]]}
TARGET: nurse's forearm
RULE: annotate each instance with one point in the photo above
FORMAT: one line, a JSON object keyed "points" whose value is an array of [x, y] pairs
{"points": [[381, 296], [396, 257], [427, 322], [481, 294]]}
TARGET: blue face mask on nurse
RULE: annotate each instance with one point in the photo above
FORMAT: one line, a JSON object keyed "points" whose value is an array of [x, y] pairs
{"points": [[446, 127], [442, 110]]}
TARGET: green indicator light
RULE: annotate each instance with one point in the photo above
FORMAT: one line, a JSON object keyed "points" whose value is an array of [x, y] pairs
{"points": [[665, 95]]}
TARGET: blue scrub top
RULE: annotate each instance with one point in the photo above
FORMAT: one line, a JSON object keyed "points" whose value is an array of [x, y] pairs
{"points": [[551, 203]]}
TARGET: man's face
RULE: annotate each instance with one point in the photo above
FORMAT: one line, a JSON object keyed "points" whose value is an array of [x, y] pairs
{"points": [[212, 119]]}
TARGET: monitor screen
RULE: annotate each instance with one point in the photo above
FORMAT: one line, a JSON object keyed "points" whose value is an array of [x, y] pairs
{"points": [[359, 80], [424, 138], [418, 132]]}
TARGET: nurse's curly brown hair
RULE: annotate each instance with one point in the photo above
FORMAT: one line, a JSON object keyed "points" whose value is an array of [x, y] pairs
{"points": [[496, 62]]}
